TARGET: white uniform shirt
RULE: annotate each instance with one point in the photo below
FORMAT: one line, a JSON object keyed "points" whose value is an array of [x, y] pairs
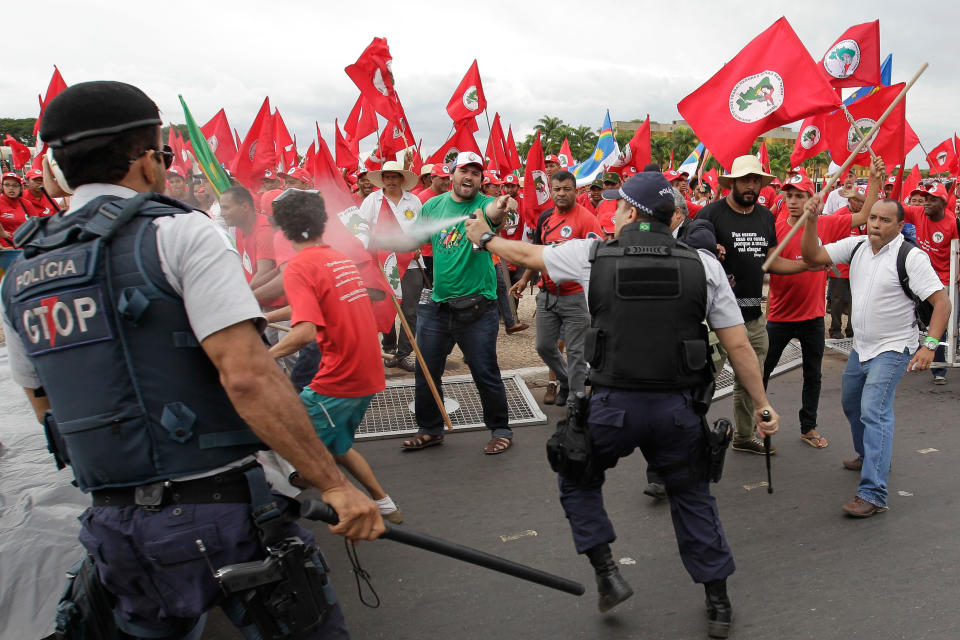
{"points": [[883, 316], [571, 261], [200, 263]]}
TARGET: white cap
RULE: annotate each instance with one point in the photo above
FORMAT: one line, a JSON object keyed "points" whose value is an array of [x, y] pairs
{"points": [[467, 157]]}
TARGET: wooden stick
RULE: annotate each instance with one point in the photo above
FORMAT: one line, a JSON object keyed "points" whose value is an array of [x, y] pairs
{"points": [[844, 167], [280, 327], [416, 350]]}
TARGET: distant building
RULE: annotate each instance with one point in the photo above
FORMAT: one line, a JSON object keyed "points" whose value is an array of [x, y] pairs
{"points": [[780, 134]]}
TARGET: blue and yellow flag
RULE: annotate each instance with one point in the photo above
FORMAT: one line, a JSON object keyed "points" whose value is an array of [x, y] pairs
{"points": [[692, 162], [605, 155], [886, 70]]}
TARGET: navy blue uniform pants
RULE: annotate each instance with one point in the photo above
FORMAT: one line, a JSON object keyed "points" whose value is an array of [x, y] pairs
{"points": [[149, 561], [667, 431]]}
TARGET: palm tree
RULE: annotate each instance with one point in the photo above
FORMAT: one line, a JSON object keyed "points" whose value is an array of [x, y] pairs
{"points": [[683, 140]]}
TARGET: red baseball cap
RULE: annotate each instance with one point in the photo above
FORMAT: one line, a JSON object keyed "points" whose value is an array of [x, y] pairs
{"points": [[801, 182], [490, 177], [440, 170], [608, 221], [891, 180], [672, 175], [34, 173], [552, 158], [11, 176], [511, 179], [270, 174], [177, 170], [937, 190], [299, 173]]}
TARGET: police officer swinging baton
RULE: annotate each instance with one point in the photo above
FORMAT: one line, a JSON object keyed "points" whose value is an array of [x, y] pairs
{"points": [[319, 510]]}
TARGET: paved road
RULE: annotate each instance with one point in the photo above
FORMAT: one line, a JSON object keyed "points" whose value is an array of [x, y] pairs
{"points": [[803, 569]]}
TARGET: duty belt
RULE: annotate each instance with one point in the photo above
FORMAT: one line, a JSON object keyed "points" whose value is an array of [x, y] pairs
{"points": [[227, 487]]}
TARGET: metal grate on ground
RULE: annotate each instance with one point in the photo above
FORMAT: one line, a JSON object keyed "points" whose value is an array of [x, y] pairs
{"points": [[790, 359], [391, 412]]}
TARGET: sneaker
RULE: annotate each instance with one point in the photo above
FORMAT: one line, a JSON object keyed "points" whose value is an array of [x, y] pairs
{"points": [[562, 395], [407, 362], [853, 464], [389, 510], [550, 395], [751, 445], [939, 379]]}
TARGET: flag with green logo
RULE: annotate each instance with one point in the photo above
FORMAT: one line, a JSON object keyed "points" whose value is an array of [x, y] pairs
{"points": [[205, 158]]}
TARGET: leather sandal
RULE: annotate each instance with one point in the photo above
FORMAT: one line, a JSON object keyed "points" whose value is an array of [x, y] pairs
{"points": [[421, 441], [497, 444]]}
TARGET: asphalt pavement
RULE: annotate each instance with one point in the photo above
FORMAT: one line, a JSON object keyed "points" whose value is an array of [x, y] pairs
{"points": [[804, 569]]}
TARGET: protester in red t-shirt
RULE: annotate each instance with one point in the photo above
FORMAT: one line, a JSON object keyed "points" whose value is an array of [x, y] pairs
{"points": [[935, 229], [593, 197], [34, 194], [253, 236], [795, 307], [14, 210], [562, 307], [329, 305]]}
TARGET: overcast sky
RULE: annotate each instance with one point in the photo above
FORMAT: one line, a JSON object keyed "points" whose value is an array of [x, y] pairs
{"points": [[566, 59]]}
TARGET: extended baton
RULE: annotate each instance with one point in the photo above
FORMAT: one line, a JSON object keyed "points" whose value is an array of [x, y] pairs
{"points": [[319, 510], [765, 414]]}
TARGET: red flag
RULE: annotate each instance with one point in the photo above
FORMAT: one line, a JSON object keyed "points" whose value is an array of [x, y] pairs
{"points": [[217, 133], [256, 153], [513, 158], [637, 151], [19, 151], [308, 157], [942, 159], [763, 156], [888, 143], [416, 162], [461, 140], [810, 140], [496, 153], [711, 178], [283, 143], [55, 87], [854, 59], [536, 187], [772, 82], [371, 73], [671, 160], [393, 263], [347, 154], [910, 183], [180, 157], [565, 156], [956, 147], [391, 142], [361, 122], [468, 100]]}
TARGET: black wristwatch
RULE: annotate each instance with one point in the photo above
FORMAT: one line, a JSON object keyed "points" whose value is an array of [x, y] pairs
{"points": [[485, 238]]}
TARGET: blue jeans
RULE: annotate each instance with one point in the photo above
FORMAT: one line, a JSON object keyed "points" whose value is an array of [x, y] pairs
{"points": [[867, 398], [437, 331]]}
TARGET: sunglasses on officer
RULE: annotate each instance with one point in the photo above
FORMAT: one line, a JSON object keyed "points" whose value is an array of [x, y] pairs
{"points": [[165, 154]]}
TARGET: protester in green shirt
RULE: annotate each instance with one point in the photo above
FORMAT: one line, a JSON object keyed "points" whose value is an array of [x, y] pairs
{"points": [[462, 309]]}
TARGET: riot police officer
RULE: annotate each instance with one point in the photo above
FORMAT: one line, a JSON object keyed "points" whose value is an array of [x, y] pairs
{"points": [[647, 347], [128, 317]]}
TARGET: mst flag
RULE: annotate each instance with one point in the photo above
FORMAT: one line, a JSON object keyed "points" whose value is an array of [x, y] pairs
{"points": [[512, 156], [888, 142], [565, 156], [461, 140], [810, 140], [283, 143], [219, 139], [372, 75], [53, 89], [536, 187], [19, 151], [205, 157], [468, 100], [854, 59], [256, 154], [637, 152], [943, 158], [910, 183], [496, 153], [772, 82]]}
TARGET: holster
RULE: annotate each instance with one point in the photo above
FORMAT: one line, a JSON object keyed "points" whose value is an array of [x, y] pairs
{"points": [[716, 439], [569, 449], [55, 443]]}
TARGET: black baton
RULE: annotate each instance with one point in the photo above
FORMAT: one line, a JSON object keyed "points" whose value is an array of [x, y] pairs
{"points": [[319, 510], [765, 414]]}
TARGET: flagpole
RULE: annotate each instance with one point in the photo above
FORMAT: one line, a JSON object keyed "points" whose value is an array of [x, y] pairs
{"points": [[416, 350], [846, 165]]}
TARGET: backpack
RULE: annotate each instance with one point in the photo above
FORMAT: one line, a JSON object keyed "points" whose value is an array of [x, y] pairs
{"points": [[923, 309]]}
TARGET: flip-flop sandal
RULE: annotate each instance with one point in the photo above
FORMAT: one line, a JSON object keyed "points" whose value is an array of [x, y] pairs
{"points": [[420, 441], [815, 441], [497, 444]]}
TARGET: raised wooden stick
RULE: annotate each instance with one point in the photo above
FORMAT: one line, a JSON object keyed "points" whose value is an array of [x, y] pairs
{"points": [[844, 167], [416, 350]]}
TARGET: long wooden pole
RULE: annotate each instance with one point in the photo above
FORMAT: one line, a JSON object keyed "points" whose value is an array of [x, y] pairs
{"points": [[844, 167], [416, 350]]}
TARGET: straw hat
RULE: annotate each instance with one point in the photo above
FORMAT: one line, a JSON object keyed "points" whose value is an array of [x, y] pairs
{"points": [[745, 166], [410, 179]]}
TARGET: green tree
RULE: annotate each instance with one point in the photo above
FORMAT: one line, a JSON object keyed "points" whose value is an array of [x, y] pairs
{"points": [[682, 141], [660, 147], [19, 128]]}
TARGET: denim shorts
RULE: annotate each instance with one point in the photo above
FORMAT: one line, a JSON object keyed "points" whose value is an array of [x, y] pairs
{"points": [[335, 419]]}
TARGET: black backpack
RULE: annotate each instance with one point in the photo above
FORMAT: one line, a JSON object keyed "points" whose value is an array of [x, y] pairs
{"points": [[923, 309]]}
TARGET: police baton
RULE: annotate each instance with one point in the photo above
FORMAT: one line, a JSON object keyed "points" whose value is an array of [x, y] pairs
{"points": [[319, 510], [765, 414]]}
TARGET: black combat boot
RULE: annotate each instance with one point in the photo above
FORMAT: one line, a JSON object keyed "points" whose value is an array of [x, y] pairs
{"points": [[719, 611], [611, 586]]}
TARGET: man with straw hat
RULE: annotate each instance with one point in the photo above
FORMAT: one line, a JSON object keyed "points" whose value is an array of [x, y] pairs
{"points": [[746, 235], [394, 199]]}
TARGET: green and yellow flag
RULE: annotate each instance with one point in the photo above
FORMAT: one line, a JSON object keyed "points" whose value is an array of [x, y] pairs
{"points": [[205, 158]]}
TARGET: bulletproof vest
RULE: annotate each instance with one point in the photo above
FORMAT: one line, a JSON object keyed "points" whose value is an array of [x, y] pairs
{"points": [[135, 398], [648, 301]]}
